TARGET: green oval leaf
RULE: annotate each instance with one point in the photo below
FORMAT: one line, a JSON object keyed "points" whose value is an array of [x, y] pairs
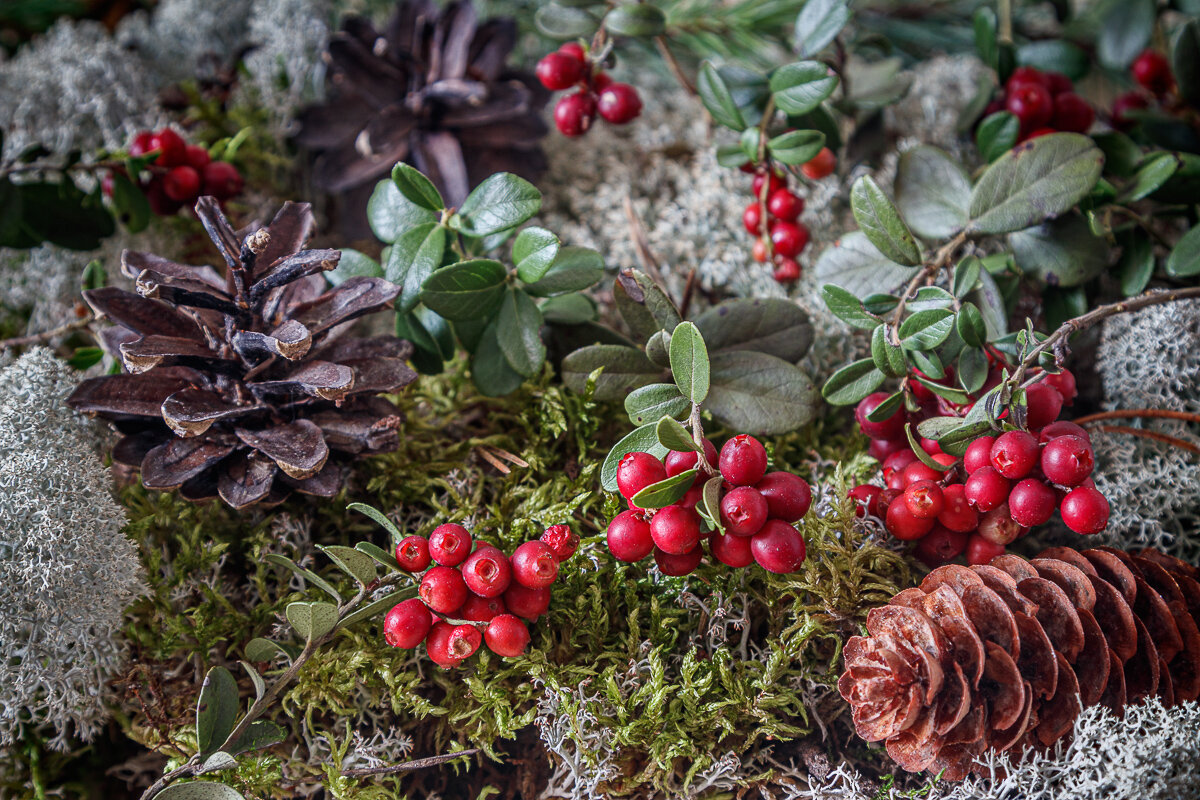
{"points": [[311, 620], [932, 192], [352, 562], [390, 213], [972, 369], [573, 269], [518, 331], [856, 265], [353, 264], [639, 19], [818, 24], [639, 440], [1184, 260], [926, 330], [800, 87], [533, 253], [500, 202], [1137, 262], [413, 258], [689, 362], [881, 223], [131, 204], [416, 188], [664, 493], [216, 710], [997, 134], [560, 22], [888, 358], [769, 325], [643, 306], [711, 498], [760, 394], [674, 436], [569, 309], [887, 408], [966, 275], [652, 402], [1185, 61], [848, 308], [199, 790], [796, 147], [466, 290], [490, 371], [1062, 252], [971, 328], [625, 369], [258, 734], [717, 98], [852, 383]]}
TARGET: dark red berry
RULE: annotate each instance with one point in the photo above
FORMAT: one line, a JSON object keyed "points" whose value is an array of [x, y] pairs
{"points": [[980, 551], [1043, 404], [574, 113], [896, 462], [881, 449], [901, 523], [629, 537], [1122, 119], [788, 496], [787, 270], [222, 180], [562, 540], [437, 645], [601, 81], [1072, 113], [957, 514], [636, 471], [534, 565], [694, 495], [731, 550], [143, 142], [464, 641], [778, 547], [979, 454], [526, 603], [160, 204], [1031, 503], [678, 564], [775, 184], [197, 157], [743, 460], [784, 205], [986, 489], [407, 624], [1031, 104], [449, 544], [752, 218], [675, 529], [890, 428], [1014, 454], [172, 149], [868, 499], [677, 461], [924, 499], [487, 572], [574, 50], [1068, 460], [1062, 428], [743, 511], [1026, 75], [481, 609], [895, 480], [1038, 133], [1057, 83], [1064, 382], [413, 554], [443, 589], [821, 165], [506, 636], [1085, 510], [1152, 71], [789, 238], [182, 184], [940, 545], [619, 103], [559, 71]]}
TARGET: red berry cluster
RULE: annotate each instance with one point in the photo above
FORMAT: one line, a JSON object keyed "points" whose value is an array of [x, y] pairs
{"points": [[1152, 72], [1043, 102], [181, 173], [574, 114], [758, 510], [1003, 486], [787, 235], [481, 596]]}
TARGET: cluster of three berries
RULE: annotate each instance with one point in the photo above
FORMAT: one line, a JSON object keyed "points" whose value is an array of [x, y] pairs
{"points": [[574, 113]]}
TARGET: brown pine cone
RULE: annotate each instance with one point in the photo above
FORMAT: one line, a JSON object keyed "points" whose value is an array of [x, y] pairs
{"points": [[1007, 655]]}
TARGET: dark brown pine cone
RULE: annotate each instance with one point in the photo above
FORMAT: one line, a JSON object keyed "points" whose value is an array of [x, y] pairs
{"points": [[1007, 655], [244, 384]]}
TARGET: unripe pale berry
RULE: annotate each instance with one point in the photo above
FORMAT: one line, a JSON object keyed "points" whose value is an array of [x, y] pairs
{"points": [[675, 530], [407, 624], [534, 565], [732, 550], [743, 460], [636, 471], [778, 547], [629, 537], [743, 511], [1015, 454], [449, 544], [1031, 503], [1068, 460], [487, 572], [1085, 510], [678, 564], [413, 553], [443, 589], [788, 496], [506, 636]]}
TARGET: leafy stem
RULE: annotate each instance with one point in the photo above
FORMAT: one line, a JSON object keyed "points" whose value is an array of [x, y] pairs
{"points": [[763, 217], [698, 437], [664, 49], [927, 274]]}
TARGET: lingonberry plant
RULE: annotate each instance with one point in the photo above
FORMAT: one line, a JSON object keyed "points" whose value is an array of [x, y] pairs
{"points": [[683, 492]]}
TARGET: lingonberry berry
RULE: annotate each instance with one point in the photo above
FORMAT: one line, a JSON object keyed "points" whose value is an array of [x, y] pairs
{"points": [[1023, 75], [896, 462], [1152, 71], [1072, 113], [774, 183], [778, 547], [629, 537], [788, 496], [437, 645], [732, 550], [574, 113], [574, 50], [940, 545], [601, 81], [1064, 382], [787, 270], [980, 551], [143, 142], [481, 609], [979, 454], [890, 428], [526, 603], [222, 180], [443, 589], [957, 514], [1062, 428], [1122, 119], [181, 183], [694, 495], [636, 471], [1042, 404], [743, 460], [1031, 503], [197, 157], [1085, 510], [1044, 131], [920, 471], [789, 238], [895, 480], [619, 103], [1031, 104], [487, 572], [675, 529], [506, 636], [880, 449], [784, 205], [534, 565], [752, 218], [998, 526], [413, 554], [1014, 454], [407, 624], [743, 511], [930, 446], [1068, 460], [868, 499], [464, 641], [986, 489], [562, 540], [1057, 83], [821, 165], [172, 149], [681, 461], [760, 252], [160, 204], [449, 544], [678, 564], [924, 499], [903, 525], [559, 71]]}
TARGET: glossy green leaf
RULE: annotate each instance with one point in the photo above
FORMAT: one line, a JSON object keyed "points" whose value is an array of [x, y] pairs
{"points": [[573, 269], [711, 498], [353, 264], [818, 24], [640, 440], [533, 253], [673, 436], [800, 87], [390, 213], [490, 371], [689, 362], [466, 290], [518, 330], [966, 276], [848, 308], [379, 555], [569, 309], [732, 155], [955, 396], [925, 330], [1151, 175], [716, 97], [501, 201], [380, 606], [665, 492], [881, 223], [216, 709], [888, 357], [352, 562], [306, 574], [920, 453], [643, 306], [417, 188], [972, 369], [769, 325], [856, 265], [971, 328], [852, 383], [932, 192], [655, 401], [796, 147], [638, 19], [259, 734], [625, 369], [928, 297], [887, 408], [560, 22], [658, 350], [760, 394], [984, 25], [1137, 262], [130, 202], [997, 134], [415, 256], [1184, 260]]}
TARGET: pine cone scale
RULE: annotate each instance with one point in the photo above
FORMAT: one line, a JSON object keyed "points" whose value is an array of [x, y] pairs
{"points": [[177, 461], [1037, 662], [191, 412], [1055, 614], [1092, 665], [142, 316]]}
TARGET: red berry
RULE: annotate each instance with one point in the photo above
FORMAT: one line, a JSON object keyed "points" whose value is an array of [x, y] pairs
{"points": [[743, 460], [1026, 75], [1072, 113], [986, 489], [636, 471], [979, 454], [574, 50], [222, 180], [629, 537], [980, 551], [759, 252], [694, 495], [559, 71], [1152, 71], [525, 602], [890, 428], [752, 218], [784, 205], [1062, 428], [487, 572], [821, 165], [1064, 382], [773, 185], [534, 565], [732, 550], [743, 511], [1085, 510], [788, 496], [924, 499], [1039, 132], [182, 184], [895, 480], [464, 641], [450, 544], [601, 81], [998, 526], [562, 540], [896, 462], [678, 565], [619, 103], [1057, 83], [1014, 454], [778, 547], [574, 113], [143, 142], [868, 499], [789, 238], [506, 636], [677, 461], [675, 529], [787, 270], [1031, 503], [1125, 103], [407, 624], [957, 514], [159, 202], [930, 446], [1032, 105], [413, 553], [940, 545], [919, 471], [172, 149], [1068, 460], [903, 525], [881, 449], [481, 609], [197, 157], [443, 589], [1043, 404], [437, 645]]}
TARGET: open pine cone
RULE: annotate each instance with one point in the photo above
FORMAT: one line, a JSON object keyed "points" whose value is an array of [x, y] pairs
{"points": [[243, 384], [1007, 655]]}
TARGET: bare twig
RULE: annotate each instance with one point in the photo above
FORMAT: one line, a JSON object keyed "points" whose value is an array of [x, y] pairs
{"points": [[37, 338], [927, 275], [664, 48], [1174, 441], [637, 232], [407, 766], [689, 289]]}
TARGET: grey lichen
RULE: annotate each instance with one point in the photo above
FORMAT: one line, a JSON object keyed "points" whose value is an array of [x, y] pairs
{"points": [[67, 572]]}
